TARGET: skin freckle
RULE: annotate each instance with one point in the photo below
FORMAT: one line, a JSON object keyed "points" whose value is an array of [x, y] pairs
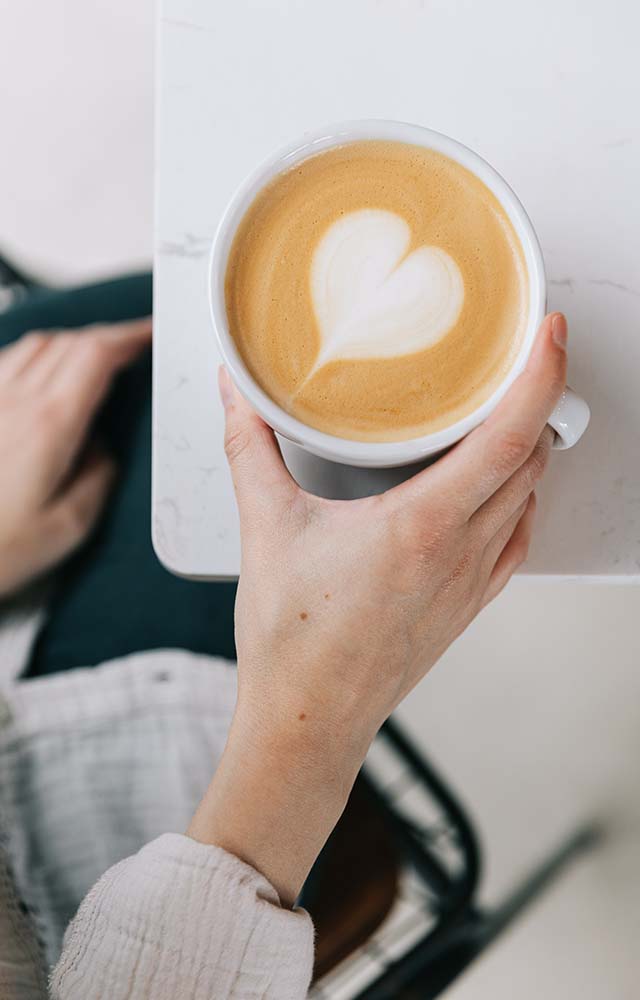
{"points": [[302, 716], [303, 616], [327, 596]]}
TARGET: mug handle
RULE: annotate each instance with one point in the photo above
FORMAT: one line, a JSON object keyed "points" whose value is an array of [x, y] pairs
{"points": [[569, 420]]}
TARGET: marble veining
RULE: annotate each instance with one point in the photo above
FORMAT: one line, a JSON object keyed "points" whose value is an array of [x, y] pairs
{"points": [[188, 246], [177, 442], [617, 143], [562, 282], [615, 285], [176, 22]]}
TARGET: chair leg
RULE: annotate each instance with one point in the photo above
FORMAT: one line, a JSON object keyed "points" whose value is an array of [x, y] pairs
{"points": [[431, 966], [495, 920], [11, 274], [14, 285]]}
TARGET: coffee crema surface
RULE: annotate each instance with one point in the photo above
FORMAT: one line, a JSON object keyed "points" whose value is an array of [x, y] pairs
{"points": [[377, 291]]}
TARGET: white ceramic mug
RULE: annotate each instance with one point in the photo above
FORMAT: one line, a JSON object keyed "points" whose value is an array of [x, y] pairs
{"points": [[569, 419]]}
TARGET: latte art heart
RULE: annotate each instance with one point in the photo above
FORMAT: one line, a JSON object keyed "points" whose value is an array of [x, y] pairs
{"points": [[372, 299], [376, 291]]}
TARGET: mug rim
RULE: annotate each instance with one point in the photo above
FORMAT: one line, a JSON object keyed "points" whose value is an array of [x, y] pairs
{"points": [[369, 454]]}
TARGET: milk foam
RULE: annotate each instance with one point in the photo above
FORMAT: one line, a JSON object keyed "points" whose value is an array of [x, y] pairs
{"points": [[374, 300], [376, 291]]}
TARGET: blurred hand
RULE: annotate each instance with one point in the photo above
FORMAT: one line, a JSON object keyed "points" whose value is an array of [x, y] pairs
{"points": [[55, 481], [343, 606]]}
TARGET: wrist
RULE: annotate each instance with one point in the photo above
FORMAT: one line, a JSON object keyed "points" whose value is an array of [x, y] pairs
{"points": [[274, 800], [331, 727]]}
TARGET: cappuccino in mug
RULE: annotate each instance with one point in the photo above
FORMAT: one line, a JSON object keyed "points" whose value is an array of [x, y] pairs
{"points": [[377, 291]]}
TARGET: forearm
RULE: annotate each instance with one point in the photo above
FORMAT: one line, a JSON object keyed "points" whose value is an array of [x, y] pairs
{"points": [[275, 798]]}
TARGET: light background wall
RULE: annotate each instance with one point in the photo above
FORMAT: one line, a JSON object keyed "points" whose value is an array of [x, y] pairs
{"points": [[535, 712]]}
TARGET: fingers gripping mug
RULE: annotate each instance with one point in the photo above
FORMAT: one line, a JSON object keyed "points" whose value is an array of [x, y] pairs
{"points": [[375, 289]]}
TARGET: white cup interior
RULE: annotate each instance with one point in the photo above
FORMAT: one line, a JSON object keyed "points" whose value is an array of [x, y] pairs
{"points": [[366, 453]]}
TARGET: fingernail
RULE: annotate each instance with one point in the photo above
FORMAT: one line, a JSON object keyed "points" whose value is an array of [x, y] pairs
{"points": [[226, 387], [559, 330]]}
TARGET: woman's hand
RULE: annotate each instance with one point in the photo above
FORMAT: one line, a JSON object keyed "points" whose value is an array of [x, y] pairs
{"points": [[55, 480], [344, 606]]}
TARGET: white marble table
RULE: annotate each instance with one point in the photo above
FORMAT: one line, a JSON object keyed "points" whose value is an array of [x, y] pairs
{"points": [[547, 92]]}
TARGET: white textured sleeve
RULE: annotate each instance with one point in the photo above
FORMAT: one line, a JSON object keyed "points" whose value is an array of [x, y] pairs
{"points": [[22, 967], [183, 919]]}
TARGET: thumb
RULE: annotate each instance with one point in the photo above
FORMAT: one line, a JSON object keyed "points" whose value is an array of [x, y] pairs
{"points": [[257, 467]]}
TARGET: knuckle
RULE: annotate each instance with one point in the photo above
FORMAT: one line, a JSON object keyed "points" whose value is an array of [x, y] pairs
{"points": [[95, 329], [415, 541], [237, 442], [426, 546], [93, 349], [538, 461], [445, 514], [513, 449], [87, 352], [559, 366], [429, 537], [462, 572], [66, 339], [37, 338]]}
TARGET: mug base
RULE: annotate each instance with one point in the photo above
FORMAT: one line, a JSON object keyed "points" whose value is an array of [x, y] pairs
{"points": [[335, 481]]}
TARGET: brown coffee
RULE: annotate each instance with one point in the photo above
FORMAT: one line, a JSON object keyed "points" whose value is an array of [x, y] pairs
{"points": [[377, 291]]}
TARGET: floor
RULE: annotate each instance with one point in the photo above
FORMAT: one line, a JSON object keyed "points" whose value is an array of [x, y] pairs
{"points": [[535, 712]]}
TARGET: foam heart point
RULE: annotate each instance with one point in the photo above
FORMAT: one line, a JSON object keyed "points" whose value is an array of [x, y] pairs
{"points": [[371, 298]]}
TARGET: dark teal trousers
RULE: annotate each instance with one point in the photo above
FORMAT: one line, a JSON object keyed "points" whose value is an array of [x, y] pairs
{"points": [[113, 597]]}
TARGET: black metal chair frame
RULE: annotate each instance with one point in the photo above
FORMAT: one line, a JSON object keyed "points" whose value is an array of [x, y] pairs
{"points": [[462, 928]]}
